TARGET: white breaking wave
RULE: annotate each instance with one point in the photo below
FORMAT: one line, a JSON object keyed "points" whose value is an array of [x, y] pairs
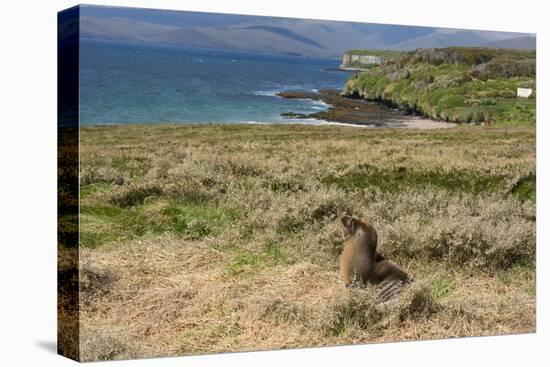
{"points": [[307, 122], [259, 123], [324, 122], [268, 93], [319, 103]]}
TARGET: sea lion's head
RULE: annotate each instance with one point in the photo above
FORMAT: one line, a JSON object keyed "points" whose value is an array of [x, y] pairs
{"points": [[349, 226], [354, 227]]}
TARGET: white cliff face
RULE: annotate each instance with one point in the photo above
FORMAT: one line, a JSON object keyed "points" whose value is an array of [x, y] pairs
{"points": [[352, 60]]}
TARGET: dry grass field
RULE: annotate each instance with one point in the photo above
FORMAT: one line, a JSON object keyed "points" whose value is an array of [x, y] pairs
{"points": [[207, 239]]}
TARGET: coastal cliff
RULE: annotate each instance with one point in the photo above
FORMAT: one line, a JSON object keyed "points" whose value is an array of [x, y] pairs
{"points": [[362, 59], [455, 84]]}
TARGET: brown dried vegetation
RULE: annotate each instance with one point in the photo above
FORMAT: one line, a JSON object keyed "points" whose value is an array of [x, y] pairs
{"points": [[206, 239]]}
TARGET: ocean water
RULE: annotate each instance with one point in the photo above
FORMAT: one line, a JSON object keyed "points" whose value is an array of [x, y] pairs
{"points": [[136, 83]]}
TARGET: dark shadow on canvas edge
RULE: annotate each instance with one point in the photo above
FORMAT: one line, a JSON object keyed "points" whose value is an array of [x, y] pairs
{"points": [[48, 345]]}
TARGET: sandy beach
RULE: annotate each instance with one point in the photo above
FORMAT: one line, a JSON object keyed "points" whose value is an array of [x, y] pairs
{"points": [[410, 122], [423, 123]]}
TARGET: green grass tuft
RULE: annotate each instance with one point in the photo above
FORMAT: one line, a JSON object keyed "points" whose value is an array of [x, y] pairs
{"points": [[92, 189], [246, 261], [441, 287], [401, 178], [105, 224], [525, 188]]}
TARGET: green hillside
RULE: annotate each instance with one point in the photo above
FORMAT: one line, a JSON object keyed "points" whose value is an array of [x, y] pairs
{"points": [[455, 84]]}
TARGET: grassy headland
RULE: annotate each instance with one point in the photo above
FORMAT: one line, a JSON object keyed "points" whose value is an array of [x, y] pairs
{"points": [[456, 84], [219, 238]]}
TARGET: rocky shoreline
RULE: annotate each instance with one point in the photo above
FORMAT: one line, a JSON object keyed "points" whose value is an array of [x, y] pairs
{"points": [[356, 111]]}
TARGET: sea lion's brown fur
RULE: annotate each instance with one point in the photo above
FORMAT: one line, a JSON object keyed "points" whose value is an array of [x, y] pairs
{"points": [[360, 261]]}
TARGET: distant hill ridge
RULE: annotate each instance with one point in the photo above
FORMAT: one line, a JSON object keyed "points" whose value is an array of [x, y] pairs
{"points": [[308, 37], [524, 43]]}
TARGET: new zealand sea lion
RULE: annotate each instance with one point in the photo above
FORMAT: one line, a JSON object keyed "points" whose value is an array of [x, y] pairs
{"points": [[361, 263]]}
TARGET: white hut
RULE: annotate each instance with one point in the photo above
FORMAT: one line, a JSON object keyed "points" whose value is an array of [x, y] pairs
{"points": [[524, 92]]}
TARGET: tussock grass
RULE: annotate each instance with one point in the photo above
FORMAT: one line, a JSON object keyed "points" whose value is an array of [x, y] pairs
{"points": [[354, 309], [99, 347], [224, 238], [358, 310], [101, 175], [134, 195], [398, 179]]}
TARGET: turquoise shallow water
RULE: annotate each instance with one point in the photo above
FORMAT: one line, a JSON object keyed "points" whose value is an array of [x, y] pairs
{"points": [[136, 83]]}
